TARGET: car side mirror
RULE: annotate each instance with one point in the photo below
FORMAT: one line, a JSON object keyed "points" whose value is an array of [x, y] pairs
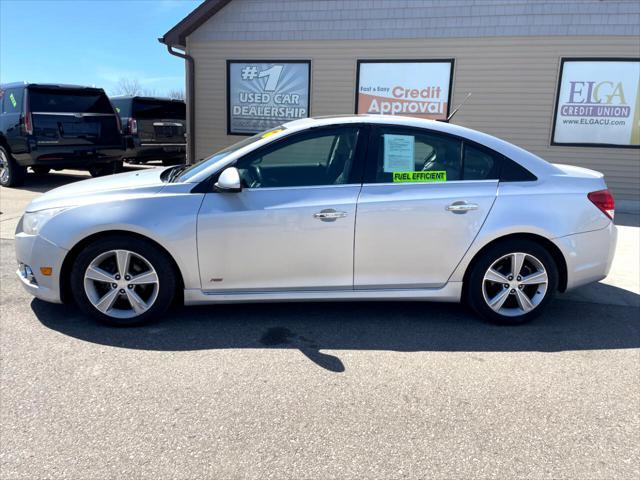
{"points": [[228, 181]]}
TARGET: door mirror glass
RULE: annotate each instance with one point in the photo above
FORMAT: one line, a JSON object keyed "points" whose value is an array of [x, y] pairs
{"points": [[228, 181]]}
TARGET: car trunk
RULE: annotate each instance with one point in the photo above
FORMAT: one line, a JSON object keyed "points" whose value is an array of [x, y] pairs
{"points": [[73, 117], [160, 121]]}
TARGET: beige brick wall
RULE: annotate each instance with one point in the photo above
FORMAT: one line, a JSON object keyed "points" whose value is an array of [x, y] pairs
{"points": [[513, 81]]}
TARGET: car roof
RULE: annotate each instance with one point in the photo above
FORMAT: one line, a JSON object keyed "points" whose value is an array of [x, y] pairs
{"points": [[47, 85], [140, 97]]}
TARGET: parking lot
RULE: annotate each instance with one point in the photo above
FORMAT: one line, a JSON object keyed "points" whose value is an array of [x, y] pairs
{"points": [[321, 390]]}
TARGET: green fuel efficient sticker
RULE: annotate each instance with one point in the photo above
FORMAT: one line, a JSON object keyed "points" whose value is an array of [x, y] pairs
{"points": [[13, 100], [426, 177]]}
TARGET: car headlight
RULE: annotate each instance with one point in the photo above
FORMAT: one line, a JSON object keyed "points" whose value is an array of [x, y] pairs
{"points": [[32, 222]]}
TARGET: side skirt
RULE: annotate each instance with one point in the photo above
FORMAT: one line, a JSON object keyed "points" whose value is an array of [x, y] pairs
{"points": [[451, 292]]}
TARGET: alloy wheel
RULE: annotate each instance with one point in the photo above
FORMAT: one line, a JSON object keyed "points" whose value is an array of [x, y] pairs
{"points": [[4, 167], [515, 284], [121, 284]]}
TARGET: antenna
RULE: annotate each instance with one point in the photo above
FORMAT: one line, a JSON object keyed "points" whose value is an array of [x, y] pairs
{"points": [[455, 110]]}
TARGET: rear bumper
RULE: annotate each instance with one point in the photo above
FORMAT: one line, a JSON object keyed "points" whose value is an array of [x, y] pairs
{"points": [[588, 255], [57, 156], [36, 252], [154, 151]]}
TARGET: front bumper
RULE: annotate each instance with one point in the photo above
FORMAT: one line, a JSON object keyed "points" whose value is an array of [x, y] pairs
{"points": [[588, 255], [36, 252]]}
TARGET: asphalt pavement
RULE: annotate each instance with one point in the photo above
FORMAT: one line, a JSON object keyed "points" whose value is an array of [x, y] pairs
{"points": [[322, 390]]}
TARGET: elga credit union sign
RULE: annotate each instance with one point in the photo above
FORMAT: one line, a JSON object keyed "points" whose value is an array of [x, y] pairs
{"points": [[264, 94], [598, 103], [415, 88]]}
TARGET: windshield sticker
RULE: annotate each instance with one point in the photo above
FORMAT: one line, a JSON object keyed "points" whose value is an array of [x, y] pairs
{"points": [[271, 132], [13, 100], [398, 153], [424, 177]]}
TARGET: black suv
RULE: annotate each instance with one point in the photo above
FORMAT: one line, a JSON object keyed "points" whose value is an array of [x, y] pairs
{"points": [[54, 127], [154, 128]]}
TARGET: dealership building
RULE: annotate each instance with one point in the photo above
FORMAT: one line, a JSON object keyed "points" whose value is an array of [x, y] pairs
{"points": [[558, 78]]}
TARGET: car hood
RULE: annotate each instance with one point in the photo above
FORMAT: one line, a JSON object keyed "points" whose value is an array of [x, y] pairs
{"points": [[95, 190]]}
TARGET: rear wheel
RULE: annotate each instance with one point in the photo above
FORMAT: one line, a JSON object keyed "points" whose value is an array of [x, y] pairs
{"points": [[512, 282], [171, 161], [123, 281], [11, 174], [102, 169]]}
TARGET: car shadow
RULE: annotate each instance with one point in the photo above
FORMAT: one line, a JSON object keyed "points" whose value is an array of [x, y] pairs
{"points": [[388, 326]]}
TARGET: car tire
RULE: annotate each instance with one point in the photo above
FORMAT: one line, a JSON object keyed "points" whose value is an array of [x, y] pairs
{"points": [[102, 169], [11, 174], [112, 299], [504, 295], [41, 171], [171, 162]]}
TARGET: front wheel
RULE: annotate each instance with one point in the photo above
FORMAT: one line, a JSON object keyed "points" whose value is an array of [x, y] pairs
{"points": [[11, 174], [512, 282], [123, 281]]}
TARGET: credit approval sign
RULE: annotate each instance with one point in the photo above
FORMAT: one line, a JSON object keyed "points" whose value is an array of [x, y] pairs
{"points": [[598, 103], [414, 88], [263, 94]]}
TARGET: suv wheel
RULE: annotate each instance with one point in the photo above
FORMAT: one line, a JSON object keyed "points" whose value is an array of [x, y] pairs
{"points": [[123, 281], [512, 283], [11, 174], [41, 171], [102, 169]]}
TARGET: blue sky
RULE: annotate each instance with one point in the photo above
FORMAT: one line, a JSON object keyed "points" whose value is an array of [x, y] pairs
{"points": [[91, 42]]}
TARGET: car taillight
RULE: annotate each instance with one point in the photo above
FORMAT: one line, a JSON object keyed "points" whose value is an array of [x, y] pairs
{"points": [[118, 122], [28, 123], [604, 201], [133, 126]]}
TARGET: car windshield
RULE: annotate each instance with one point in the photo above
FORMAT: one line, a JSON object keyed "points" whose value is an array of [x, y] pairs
{"points": [[188, 172]]}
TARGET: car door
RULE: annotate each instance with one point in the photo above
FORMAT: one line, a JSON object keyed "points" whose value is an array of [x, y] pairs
{"points": [[292, 225], [417, 214]]}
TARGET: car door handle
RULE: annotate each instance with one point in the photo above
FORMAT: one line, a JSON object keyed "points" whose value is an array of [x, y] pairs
{"points": [[461, 207], [329, 215]]}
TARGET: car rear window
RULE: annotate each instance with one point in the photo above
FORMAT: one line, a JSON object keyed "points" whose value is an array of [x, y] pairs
{"points": [[68, 101], [122, 106], [158, 109]]}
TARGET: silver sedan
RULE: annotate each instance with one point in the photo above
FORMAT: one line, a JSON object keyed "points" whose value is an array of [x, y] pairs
{"points": [[343, 208]]}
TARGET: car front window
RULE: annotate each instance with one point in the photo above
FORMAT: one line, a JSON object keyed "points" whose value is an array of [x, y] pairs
{"points": [[205, 163]]}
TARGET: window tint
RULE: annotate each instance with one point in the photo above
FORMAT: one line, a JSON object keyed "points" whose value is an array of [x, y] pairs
{"points": [[480, 164], [514, 172], [152, 109], [323, 157], [122, 106], [410, 156], [12, 100], [68, 101]]}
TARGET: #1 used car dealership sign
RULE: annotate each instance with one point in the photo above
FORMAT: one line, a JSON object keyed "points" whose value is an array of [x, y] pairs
{"points": [[263, 94], [598, 103]]}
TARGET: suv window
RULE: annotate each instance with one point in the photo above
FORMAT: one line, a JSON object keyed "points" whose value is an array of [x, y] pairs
{"points": [[152, 109], [322, 157], [68, 101], [122, 106], [480, 163], [12, 100], [411, 156]]}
